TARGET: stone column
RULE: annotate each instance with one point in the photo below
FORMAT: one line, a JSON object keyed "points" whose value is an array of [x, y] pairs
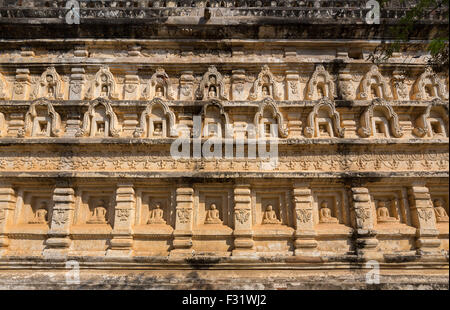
{"points": [[305, 242], [424, 219], [59, 242], [243, 233], [238, 84], [363, 222], [7, 205], [182, 242], [22, 85], [121, 244]]}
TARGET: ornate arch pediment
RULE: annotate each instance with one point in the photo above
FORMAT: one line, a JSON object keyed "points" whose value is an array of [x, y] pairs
{"points": [[157, 102], [269, 103], [32, 113], [4, 94], [212, 79], [103, 86], [426, 83], [328, 81], [86, 128], [328, 105], [367, 130], [265, 86], [159, 79], [49, 85], [422, 126], [217, 104], [381, 85]]}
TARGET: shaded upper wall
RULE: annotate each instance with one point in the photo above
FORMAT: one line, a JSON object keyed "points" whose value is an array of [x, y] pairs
{"points": [[208, 19]]}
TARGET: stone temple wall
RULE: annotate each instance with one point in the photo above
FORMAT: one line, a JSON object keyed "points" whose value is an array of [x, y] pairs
{"points": [[92, 130]]}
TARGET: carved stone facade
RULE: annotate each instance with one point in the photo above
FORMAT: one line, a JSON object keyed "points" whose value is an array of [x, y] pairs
{"points": [[87, 170]]}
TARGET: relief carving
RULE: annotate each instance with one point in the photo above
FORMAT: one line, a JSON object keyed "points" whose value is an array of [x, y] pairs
{"points": [[265, 86], [434, 122], [374, 85], [103, 85], [379, 120], [159, 86], [320, 85], [324, 121], [429, 86], [42, 120], [211, 86], [268, 114], [49, 85], [157, 121], [99, 120]]}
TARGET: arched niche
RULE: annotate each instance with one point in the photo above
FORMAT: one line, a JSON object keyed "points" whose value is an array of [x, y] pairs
{"points": [[99, 120], [320, 85], [215, 120], [429, 86], [265, 86], [103, 85], [41, 120], [379, 120], [159, 86], [157, 121], [268, 114], [49, 85], [211, 86], [324, 121], [374, 85], [433, 123]]}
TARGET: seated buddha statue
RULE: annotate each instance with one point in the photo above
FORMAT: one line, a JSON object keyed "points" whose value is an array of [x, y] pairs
{"points": [[40, 215], [98, 215], [325, 214], [212, 215], [383, 213], [269, 216], [156, 216], [441, 214]]}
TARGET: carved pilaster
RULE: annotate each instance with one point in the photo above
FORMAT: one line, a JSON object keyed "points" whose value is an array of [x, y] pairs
{"points": [[7, 204], [76, 84], [292, 85], [363, 222], [182, 242], [59, 242], [304, 222], [122, 235], [186, 85], [424, 219], [243, 233], [131, 86], [22, 85], [238, 86]]}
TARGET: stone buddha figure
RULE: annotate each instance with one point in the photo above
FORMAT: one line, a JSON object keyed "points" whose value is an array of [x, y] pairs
{"points": [[104, 86], [98, 215], [40, 215], [156, 215], [212, 215], [269, 216], [159, 92], [50, 86], [383, 212], [265, 91], [441, 214], [325, 214], [212, 92]]}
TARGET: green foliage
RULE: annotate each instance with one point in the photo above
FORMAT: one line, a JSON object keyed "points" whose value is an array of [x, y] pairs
{"points": [[438, 45]]}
